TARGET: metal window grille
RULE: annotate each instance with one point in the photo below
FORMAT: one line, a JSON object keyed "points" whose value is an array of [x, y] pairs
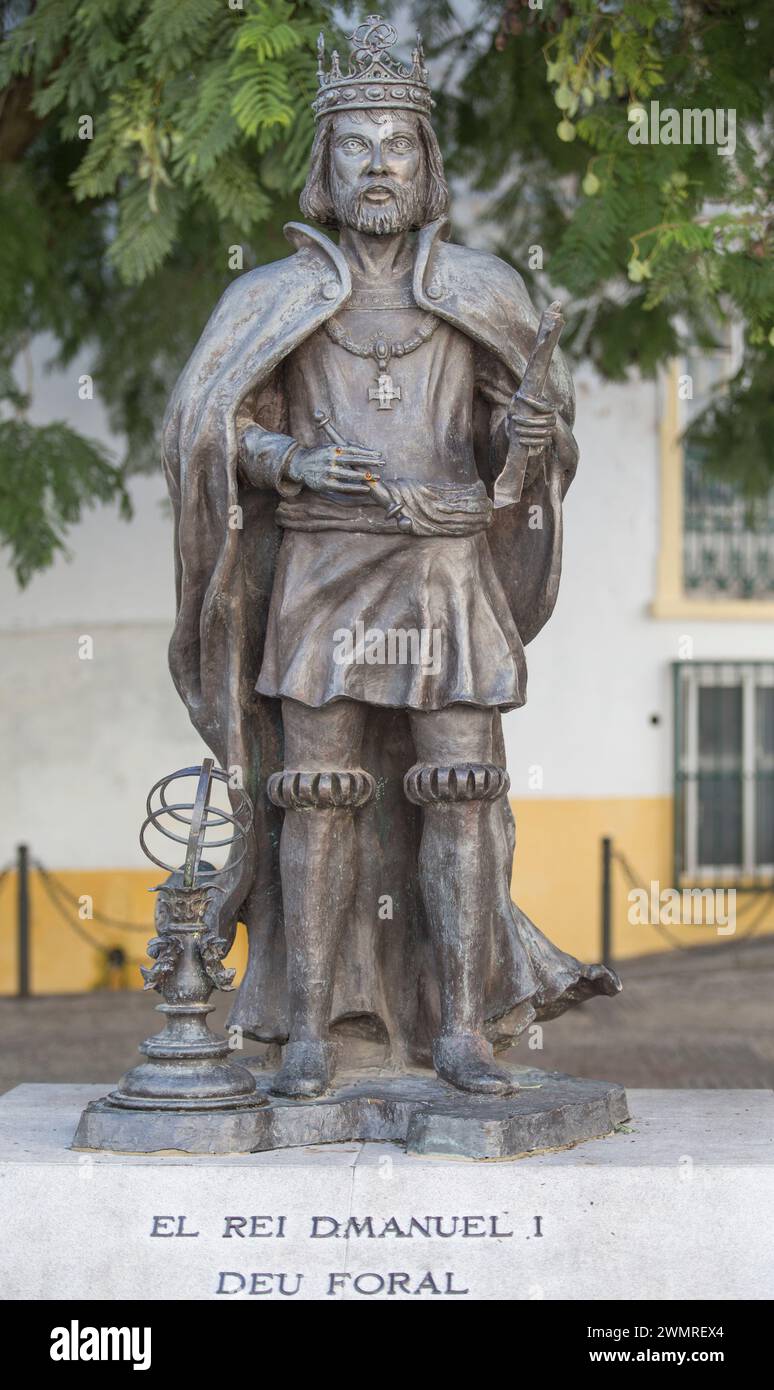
{"points": [[728, 541], [724, 772]]}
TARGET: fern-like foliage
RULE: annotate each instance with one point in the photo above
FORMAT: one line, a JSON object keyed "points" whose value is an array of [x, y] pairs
{"points": [[176, 100], [48, 475]]}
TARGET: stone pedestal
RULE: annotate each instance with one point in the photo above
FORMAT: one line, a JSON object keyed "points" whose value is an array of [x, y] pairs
{"points": [[418, 1111], [675, 1205]]}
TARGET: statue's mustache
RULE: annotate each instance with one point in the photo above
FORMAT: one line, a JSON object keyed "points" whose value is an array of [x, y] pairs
{"points": [[356, 196], [382, 185]]}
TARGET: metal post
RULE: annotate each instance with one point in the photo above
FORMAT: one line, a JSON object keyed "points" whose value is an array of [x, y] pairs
{"points": [[23, 919], [607, 860]]}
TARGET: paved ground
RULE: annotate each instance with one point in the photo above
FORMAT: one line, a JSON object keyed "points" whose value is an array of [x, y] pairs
{"points": [[685, 1019]]}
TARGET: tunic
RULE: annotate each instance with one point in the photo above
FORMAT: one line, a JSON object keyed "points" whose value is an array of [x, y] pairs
{"points": [[411, 621]]}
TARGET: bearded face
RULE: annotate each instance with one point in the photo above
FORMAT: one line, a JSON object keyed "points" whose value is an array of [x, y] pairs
{"points": [[377, 172], [378, 208]]}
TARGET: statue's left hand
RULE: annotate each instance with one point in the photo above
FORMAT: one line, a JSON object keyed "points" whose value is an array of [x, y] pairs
{"points": [[530, 423]]}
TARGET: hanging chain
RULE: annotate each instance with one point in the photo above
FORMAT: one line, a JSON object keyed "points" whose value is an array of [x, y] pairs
{"points": [[380, 348]]}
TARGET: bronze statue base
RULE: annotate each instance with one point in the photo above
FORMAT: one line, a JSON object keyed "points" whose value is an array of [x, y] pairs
{"points": [[415, 1110]]}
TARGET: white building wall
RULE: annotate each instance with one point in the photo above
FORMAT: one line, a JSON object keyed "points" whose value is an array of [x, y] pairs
{"points": [[601, 667]]}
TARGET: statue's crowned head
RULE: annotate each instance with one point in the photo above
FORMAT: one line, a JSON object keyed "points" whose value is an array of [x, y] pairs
{"points": [[375, 164]]}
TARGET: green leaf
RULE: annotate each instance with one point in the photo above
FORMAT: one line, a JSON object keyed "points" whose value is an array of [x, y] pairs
{"points": [[145, 235], [49, 474]]}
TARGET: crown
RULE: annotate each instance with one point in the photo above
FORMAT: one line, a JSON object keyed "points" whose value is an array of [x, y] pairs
{"points": [[373, 79]]}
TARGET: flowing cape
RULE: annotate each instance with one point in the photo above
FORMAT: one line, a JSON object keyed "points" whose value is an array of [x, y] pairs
{"points": [[226, 543]]}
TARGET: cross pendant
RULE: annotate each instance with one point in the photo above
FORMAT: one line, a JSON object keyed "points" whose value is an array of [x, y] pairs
{"points": [[384, 392]]}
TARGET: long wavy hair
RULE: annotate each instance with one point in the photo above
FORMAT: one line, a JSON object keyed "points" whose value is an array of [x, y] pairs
{"points": [[316, 201]]}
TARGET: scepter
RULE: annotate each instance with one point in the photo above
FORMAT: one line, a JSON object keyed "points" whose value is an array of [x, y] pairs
{"points": [[394, 509], [509, 485]]}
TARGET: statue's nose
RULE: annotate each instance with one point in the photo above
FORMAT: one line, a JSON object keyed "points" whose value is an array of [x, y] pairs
{"points": [[377, 164]]}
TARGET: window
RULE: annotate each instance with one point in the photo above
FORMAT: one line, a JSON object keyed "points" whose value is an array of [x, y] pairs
{"points": [[724, 772], [728, 541], [717, 549]]}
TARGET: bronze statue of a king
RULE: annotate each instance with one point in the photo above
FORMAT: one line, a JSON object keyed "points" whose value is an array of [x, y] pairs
{"points": [[368, 492]]}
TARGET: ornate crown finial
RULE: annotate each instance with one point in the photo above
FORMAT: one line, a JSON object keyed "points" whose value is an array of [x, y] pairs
{"points": [[373, 80]]}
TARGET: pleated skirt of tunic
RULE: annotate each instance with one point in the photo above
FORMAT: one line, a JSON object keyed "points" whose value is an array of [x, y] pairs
{"points": [[397, 620]]}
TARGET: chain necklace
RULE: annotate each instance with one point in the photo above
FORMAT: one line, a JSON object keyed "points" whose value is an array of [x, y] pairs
{"points": [[382, 349]]}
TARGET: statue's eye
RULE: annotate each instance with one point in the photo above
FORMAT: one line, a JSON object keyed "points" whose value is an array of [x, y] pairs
{"points": [[402, 144], [353, 145]]}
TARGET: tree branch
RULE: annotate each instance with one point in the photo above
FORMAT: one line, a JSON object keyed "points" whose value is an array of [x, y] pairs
{"points": [[18, 123]]}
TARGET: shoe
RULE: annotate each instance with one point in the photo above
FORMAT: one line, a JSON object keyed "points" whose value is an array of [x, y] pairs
{"points": [[306, 1071], [467, 1061]]}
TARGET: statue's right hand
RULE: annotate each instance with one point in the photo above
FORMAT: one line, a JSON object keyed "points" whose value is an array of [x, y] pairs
{"points": [[335, 468]]}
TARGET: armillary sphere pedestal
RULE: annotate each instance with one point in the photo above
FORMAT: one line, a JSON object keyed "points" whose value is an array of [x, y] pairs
{"points": [[187, 1068]]}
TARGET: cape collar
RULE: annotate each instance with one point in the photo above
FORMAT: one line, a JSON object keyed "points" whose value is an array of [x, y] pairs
{"points": [[308, 238]]}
